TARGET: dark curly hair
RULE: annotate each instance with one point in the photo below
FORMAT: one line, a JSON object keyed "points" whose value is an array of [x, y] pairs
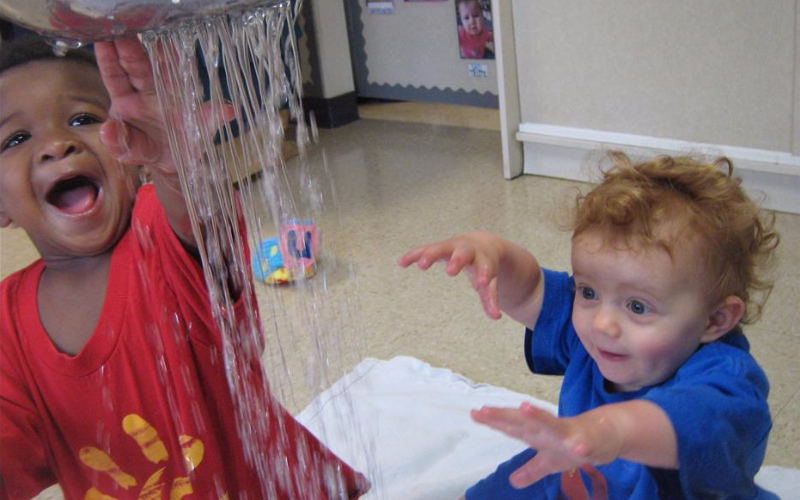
{"points": [[29, 48], [639, 204]]}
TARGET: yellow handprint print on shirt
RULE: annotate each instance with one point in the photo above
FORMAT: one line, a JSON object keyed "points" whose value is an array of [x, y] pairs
{"points": [[146, 436]]}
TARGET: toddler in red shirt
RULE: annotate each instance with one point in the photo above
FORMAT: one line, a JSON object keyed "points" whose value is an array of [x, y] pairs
{"points": [[112, 381]]}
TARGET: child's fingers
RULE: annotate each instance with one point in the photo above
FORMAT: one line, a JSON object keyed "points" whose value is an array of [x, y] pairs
{"points": [[484, 281], [422, 256], [540, 466], [129, 145], [114, 136], [485, 270], [527, 474], [537, 428], [410, 257], [488, 296], [124, 66], [507, 420], [543, 427], [532, 412], [524, 476], [114, 75], [459, 258], [216, 116], [134, 60], [427, 255], [526, 412]]}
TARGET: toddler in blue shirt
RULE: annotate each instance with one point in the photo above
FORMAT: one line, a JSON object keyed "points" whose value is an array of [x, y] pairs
{"points": [[661, 398]]}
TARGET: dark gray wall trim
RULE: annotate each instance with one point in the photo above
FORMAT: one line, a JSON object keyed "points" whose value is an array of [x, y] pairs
{"points": [[355, 32], [333, 112], [426, 94]]}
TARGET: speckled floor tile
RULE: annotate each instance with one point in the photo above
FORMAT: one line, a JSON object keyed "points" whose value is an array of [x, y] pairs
{"points": [[784, 442], [16, 251]]}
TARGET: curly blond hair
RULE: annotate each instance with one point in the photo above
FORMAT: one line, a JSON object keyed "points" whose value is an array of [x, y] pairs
{"points": [[635, 201]]}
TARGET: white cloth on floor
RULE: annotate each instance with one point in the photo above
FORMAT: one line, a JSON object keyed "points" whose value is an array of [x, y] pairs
{"points": [[422, 443]]}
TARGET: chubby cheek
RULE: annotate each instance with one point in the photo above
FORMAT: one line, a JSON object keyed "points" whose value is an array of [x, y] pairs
{"points": [[652, 349], [582, 321], [660, 357], [122, 177]]}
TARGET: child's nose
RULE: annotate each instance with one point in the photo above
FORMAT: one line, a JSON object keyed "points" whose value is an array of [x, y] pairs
{"points": [[605, 321], [57, 149]]}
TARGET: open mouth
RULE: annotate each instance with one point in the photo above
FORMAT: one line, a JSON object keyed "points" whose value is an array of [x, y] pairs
{"points": [[610, 356], [74, 196]]}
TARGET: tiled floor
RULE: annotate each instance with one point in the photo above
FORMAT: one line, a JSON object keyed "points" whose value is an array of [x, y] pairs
{"points": [[400, 184]]}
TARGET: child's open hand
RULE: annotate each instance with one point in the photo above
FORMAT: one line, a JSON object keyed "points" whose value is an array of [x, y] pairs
{"points": [[136, 132], [478, 254], [561, 443]]}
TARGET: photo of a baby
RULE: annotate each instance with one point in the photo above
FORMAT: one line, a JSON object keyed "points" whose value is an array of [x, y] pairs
{"points": [[475, 37]]}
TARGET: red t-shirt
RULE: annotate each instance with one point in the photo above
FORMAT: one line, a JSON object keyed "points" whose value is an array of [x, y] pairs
{"points": [[145, 407], [474, 47]]}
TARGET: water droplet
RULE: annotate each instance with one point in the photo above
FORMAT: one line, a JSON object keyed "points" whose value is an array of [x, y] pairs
{"points": [[149, 37], [312, 121], [118, 29], [197, 415], [108, 401], [61, 47], [248, 18]]}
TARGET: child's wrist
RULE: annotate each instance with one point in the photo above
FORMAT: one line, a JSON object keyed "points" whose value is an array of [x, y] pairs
{"points": [[608, 433]]}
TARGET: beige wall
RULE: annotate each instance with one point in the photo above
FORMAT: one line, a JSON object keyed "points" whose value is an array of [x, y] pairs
{"points": [[717, 77], [333, 46], [716, 71], [326, 68]]}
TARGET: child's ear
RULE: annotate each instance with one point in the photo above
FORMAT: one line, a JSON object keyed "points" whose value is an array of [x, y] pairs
{"points": [[724, 318]]}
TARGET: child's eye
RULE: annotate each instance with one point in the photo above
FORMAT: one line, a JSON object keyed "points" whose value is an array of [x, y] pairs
{"points": [[15, 140], [588, 293], [84, 119], [637, 307]]}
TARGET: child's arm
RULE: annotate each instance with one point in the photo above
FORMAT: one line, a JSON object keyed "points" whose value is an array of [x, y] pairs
{"points": [[136, 132], [639, 431], [506, 276]]}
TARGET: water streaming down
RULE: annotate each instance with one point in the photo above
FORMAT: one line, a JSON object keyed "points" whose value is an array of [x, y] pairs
{"points": [[250, 61]]}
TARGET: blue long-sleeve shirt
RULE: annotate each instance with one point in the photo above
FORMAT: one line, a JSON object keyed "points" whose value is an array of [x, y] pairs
{"points": [[716, 402]]}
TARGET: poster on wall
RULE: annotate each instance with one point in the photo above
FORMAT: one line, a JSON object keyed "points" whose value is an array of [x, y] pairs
{"points": [[380, 6], [475, 36]]}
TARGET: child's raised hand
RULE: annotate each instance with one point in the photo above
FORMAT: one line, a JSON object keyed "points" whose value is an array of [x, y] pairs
{"points": [[136, 132], [561, 443], [478, 254]]}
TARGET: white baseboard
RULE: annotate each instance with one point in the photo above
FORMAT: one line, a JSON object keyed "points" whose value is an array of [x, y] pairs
{"points": [[770, 177]]}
